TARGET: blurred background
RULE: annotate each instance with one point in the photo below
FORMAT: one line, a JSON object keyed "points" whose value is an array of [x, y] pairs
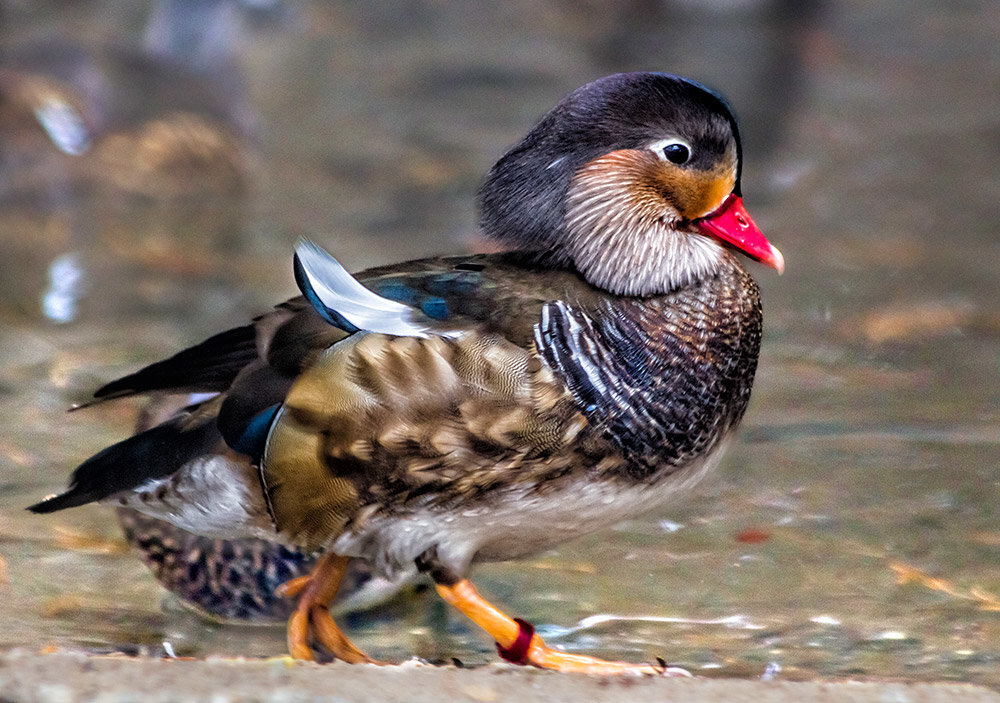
{"points": [[158, 161]]}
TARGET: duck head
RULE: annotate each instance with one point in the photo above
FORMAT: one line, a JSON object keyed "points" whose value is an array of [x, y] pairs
{"points": [[634, 180]]}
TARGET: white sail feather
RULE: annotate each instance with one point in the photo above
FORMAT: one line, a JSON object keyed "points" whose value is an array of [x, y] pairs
{"points": [[341, 292]]}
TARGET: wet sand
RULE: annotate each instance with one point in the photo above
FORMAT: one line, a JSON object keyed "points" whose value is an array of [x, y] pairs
{"points": [[66, 677]]}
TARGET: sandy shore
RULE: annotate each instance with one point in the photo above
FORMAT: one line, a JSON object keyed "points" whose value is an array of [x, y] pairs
{"points": [[66, 677]]}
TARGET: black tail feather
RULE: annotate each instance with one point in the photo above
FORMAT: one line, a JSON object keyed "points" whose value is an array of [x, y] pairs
{"points": [[208, 367], [155, 453]]}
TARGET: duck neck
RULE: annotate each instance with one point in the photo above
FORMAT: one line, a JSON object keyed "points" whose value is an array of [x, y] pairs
{"points": [[657, 261]]}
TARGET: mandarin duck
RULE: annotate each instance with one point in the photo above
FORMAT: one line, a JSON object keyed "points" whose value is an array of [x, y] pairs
{"points": [[446, 411]]}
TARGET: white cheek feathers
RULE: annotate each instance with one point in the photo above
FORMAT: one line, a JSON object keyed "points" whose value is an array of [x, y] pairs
{"points": [[623, 236]]}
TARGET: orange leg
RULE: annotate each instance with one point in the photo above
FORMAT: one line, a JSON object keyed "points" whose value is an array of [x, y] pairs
{"points": [[312, 613], [512, 638]]}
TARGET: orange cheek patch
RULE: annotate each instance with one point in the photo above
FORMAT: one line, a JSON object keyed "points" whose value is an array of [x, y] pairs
{"points": [[697, 193]]}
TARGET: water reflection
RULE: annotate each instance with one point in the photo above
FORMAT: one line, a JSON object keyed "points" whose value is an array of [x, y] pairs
{"points": [[855, 521], [63, 124], [61, 297], [118, 149]]}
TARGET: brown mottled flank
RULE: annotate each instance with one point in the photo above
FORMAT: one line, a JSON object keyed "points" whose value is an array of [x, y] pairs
{"points": [[384, 419]]}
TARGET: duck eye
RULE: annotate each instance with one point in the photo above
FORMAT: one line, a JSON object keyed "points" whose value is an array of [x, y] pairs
{"points": [[676, 153]]}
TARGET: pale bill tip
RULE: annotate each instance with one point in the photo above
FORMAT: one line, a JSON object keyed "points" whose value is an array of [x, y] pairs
{"points": [[777, 261]]}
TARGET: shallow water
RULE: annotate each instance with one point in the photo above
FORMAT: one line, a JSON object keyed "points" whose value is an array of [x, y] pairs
{"points": [[852, 529]]}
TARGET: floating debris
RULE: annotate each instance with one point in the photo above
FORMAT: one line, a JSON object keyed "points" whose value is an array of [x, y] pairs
{"points": [[907, 574], [917, 322], [752, 535]]}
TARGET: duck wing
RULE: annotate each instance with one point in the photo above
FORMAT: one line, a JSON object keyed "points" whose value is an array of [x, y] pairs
{"points": [[252, 368]]}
